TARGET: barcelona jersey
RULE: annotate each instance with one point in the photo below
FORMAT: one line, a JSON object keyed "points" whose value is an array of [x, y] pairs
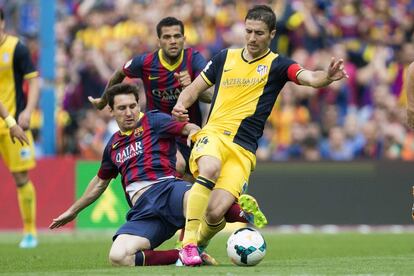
{"points": [[15, 66], [161, 87], [245, 92], [145, 154]]}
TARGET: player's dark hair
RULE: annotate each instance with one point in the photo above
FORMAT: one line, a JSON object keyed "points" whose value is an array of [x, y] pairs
{"points": [[263, 13], [120, 89], [1, 14], [168, 22]]}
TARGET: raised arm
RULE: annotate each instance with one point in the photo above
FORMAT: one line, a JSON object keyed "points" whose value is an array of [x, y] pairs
{"points": [[321, 78], [409, 87], [94, 190], [187, 97], [101, 102]]}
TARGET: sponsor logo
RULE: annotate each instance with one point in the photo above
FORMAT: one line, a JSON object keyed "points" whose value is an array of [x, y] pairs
{"points": [[115, 145], [153, 77], [167, 95], [128, 152]]}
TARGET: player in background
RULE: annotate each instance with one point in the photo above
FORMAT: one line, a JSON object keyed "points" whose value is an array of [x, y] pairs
{"points": [[143, 152], [16, 66], [248, 81], [15, 131], [409, 87]]}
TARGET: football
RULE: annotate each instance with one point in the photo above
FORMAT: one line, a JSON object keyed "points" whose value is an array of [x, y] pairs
{"points": [[246, 247]]}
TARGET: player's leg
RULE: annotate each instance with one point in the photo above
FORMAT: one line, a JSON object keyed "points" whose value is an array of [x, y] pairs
{"points": [[20, 159]]}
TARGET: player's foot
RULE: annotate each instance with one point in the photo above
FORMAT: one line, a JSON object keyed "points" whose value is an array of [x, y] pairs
{"points": [[252, 212], [189, 255], [28, 241], [206, 258]]}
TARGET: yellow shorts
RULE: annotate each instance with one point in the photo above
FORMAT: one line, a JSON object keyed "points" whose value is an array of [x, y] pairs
{"points": [[236, 162], [17, 157]]}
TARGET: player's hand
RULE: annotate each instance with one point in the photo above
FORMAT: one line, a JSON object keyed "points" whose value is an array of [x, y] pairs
{"points": [[98, 103], [184, 78], [24, 119], [180, 113], [336, 70], [64, 218], [191, 135], [16, 132]]}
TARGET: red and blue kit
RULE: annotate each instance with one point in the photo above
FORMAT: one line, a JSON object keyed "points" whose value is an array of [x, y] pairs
{"points": [[144, 156], [161, 87]]}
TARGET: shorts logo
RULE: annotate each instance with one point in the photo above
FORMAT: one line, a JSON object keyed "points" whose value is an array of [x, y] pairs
{"points": [[261, 69], [25, 154]]}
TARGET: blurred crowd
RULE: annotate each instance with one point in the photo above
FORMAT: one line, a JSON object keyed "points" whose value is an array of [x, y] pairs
{"points": [[361, 117]]}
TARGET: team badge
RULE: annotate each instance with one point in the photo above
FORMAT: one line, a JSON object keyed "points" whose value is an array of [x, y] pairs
{"points": [[138, 131], [6, 57], [261, 69]]}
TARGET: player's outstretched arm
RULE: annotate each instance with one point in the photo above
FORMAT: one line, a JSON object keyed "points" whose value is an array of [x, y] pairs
{"points": [[101, 102], [94, 190], [187, 97], [321, 78], [16, 132], [409, 87]]}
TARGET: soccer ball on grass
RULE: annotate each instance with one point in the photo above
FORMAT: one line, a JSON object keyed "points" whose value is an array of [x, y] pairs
{"points": [[246, 247]]}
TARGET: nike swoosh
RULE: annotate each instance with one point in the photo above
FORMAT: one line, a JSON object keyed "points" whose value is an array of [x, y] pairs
{"points": [[153, 77], [115, 145], [226, 70], [192, 219]]}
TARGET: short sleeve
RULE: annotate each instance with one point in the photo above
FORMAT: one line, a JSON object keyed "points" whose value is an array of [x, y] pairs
{"points": [[133, 67], [23, 61], [108, 169], [212, 69]]}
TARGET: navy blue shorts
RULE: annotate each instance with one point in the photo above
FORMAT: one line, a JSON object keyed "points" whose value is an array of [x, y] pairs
{"points": [[158, 212], [186, 152]]}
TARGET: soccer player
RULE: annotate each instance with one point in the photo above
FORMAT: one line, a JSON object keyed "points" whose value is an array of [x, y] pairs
{"points": [[165, 72], [248, 81], [15, 131], [143, 152], [16, 66]]}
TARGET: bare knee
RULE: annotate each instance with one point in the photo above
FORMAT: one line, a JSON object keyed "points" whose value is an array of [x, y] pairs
{"points": [[20, 178], [118, 257], [209, 167]]}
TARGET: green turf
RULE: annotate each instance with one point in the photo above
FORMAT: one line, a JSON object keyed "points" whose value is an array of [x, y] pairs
{"points": [[287, 254]]}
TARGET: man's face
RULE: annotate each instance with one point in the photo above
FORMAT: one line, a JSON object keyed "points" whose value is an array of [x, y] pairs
{"points": [[171, 41], [258, 37], [126, 111]]}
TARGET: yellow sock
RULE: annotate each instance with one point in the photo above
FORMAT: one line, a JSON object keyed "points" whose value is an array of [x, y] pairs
{"points": [[208, 231], [196, 207], [27, 203]]}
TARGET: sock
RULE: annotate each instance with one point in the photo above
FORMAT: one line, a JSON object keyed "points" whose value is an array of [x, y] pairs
{"points": [[151, 257], [196, 207], [235, 214], [207, 231], [27, 203]]}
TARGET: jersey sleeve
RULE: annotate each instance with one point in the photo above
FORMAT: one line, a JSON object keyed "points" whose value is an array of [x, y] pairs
{"points": [[133, 67], [23, 61], [214, 67], [198, 63], [166, 126], [287, 69], [108, 169]]}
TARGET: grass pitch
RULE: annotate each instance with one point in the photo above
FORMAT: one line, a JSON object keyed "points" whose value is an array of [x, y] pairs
{"points": [[85, 253]]}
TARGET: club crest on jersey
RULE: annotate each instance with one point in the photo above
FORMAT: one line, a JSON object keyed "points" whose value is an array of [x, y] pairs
{"points": [[262, 70], [138, 131]]}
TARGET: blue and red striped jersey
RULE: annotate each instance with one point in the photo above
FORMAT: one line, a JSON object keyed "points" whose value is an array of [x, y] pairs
{"points": [[161, 87], [146, 154]]}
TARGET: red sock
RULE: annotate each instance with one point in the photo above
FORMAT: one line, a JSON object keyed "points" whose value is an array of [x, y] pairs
{"points": [[162, 257], [235, 214]]}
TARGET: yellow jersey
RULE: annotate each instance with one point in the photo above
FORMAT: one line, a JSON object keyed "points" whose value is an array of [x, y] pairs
{"points": [[245, 92]]}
